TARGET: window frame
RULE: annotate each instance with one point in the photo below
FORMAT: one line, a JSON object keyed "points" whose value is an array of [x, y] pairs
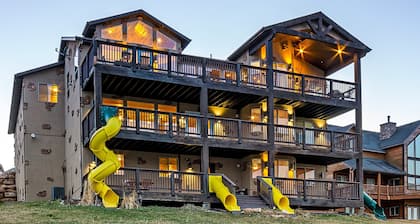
{"points": [[416, 160], [39, 91], [394, 210]]}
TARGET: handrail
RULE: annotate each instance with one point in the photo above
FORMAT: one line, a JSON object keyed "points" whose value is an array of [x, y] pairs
{"points": [[268, 198]]}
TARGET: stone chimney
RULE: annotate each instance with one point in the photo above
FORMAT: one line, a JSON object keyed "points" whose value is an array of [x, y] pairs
{"points": [[387, 129]]}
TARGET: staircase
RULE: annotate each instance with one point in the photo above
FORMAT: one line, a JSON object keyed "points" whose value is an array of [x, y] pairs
{"points": [[247, 201]]}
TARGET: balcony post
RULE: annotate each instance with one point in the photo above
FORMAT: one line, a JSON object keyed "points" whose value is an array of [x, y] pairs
{"points": [[238, 74], [358, 118], [239, 131], [137, 121], [134, 57], [170, 131], [304, 190], [172, 180], [204, 70], [97, 96], [270, 105], [379, 182], [332, 141], [204, 137], [169, 63], [137, 178], [303, 85], [332, 191]]}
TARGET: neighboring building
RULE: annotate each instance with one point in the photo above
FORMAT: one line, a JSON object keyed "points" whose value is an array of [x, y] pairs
{"points": [[263, 112], [391, 167]]}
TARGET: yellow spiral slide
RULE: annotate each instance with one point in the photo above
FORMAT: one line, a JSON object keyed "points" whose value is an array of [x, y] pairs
{"points": [[223, 194], [109, 164], [280, 201]]}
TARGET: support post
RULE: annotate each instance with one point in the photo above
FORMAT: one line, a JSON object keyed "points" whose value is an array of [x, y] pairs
{"points": [[378, 182], [270, 106], [358, 126], [204, 137], [97, 96]]}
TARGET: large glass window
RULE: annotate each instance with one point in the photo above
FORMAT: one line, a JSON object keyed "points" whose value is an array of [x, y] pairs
{"points": [[48, 93], [139, 32], [413, 164], [112, 32], [164, 41], [169, 164]]}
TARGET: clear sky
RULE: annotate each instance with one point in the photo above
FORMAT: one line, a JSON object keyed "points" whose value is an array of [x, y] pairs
{"points": [[31, 30]]}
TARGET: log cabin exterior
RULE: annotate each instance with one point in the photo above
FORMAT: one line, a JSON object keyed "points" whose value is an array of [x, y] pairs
{"points": [[261, 112], [390, 166]]}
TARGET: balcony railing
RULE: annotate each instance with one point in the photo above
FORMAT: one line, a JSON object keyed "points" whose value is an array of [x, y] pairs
{"points": [[317, 189], [151, 180], [385, 190], [183, 124], [238, 74]]}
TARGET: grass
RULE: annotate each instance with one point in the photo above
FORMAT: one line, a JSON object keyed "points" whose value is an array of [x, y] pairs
{"points": [[55, 212]]}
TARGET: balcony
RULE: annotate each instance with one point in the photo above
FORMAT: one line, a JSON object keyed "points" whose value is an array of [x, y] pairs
{"points": [[389, 192], [224, 132], [155, 185], [313, 192], [214, 71]]}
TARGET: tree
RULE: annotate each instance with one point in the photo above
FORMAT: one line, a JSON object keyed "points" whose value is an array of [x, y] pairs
{"points": [[1, 169]]}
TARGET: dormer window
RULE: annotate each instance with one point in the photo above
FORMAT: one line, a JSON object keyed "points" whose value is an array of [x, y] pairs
{"points": [[139, 32]]}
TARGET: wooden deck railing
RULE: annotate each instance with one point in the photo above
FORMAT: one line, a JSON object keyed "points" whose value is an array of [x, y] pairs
{"points": [[317, 189], [220, 71], [385, 190], [151, 180], [183, 124]]}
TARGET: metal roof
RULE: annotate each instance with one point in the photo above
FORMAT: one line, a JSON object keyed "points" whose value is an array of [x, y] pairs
{"points": [[376, 165]]}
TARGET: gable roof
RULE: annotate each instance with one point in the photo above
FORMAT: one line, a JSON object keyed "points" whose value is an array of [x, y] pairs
{"points": [[90, 26], [371, 141], [376, 165], [400, 135], [319, 34], [17, 92]]}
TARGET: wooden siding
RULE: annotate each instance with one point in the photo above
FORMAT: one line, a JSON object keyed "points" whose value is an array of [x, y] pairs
{"points": [[395, 156], [373, 155]]}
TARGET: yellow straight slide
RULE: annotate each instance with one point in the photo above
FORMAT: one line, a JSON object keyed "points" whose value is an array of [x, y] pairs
{"points": [[223, 194], [281, 201], [110, 162]]}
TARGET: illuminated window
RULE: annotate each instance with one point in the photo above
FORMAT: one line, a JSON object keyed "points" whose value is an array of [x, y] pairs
{"points": [[48, 93], [112, 32], [168, 164], [120, 158], [165, 42], [112, 102], [256, 114], [139, 33], [256, 168]]}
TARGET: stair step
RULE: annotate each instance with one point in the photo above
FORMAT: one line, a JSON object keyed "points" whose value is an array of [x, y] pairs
{"points": [[247, 201]]}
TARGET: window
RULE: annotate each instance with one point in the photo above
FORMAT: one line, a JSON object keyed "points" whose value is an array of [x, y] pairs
{"points": [[413, 164], [256, 114], [305, 173], [394, 211], [341, 177], [139, 33], [169, 164], [120, 158], [48, 93], [165, 42], [112, 32], [256, 168], [371, 181], [413, 213]]}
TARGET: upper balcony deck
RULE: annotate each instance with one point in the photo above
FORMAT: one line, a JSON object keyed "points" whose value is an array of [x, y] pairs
{"points": [[226, 75]]}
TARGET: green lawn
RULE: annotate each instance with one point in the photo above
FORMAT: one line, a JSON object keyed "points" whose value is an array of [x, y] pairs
{"points": [[54, 212]]}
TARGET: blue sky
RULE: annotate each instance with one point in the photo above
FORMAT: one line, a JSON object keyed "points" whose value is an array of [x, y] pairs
{"points": [[31, 30]]}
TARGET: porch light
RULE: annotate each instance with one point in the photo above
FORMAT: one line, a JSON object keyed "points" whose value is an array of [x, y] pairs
{"points": [[92, 165], [301, 50]]}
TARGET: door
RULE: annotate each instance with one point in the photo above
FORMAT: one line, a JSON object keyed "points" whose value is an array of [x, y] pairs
{"points": [[309, 134], [412, 213]]}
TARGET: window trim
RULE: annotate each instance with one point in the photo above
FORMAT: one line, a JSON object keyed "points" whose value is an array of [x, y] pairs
{"points": [[394, 209], [415, 159], [45, 83]]}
